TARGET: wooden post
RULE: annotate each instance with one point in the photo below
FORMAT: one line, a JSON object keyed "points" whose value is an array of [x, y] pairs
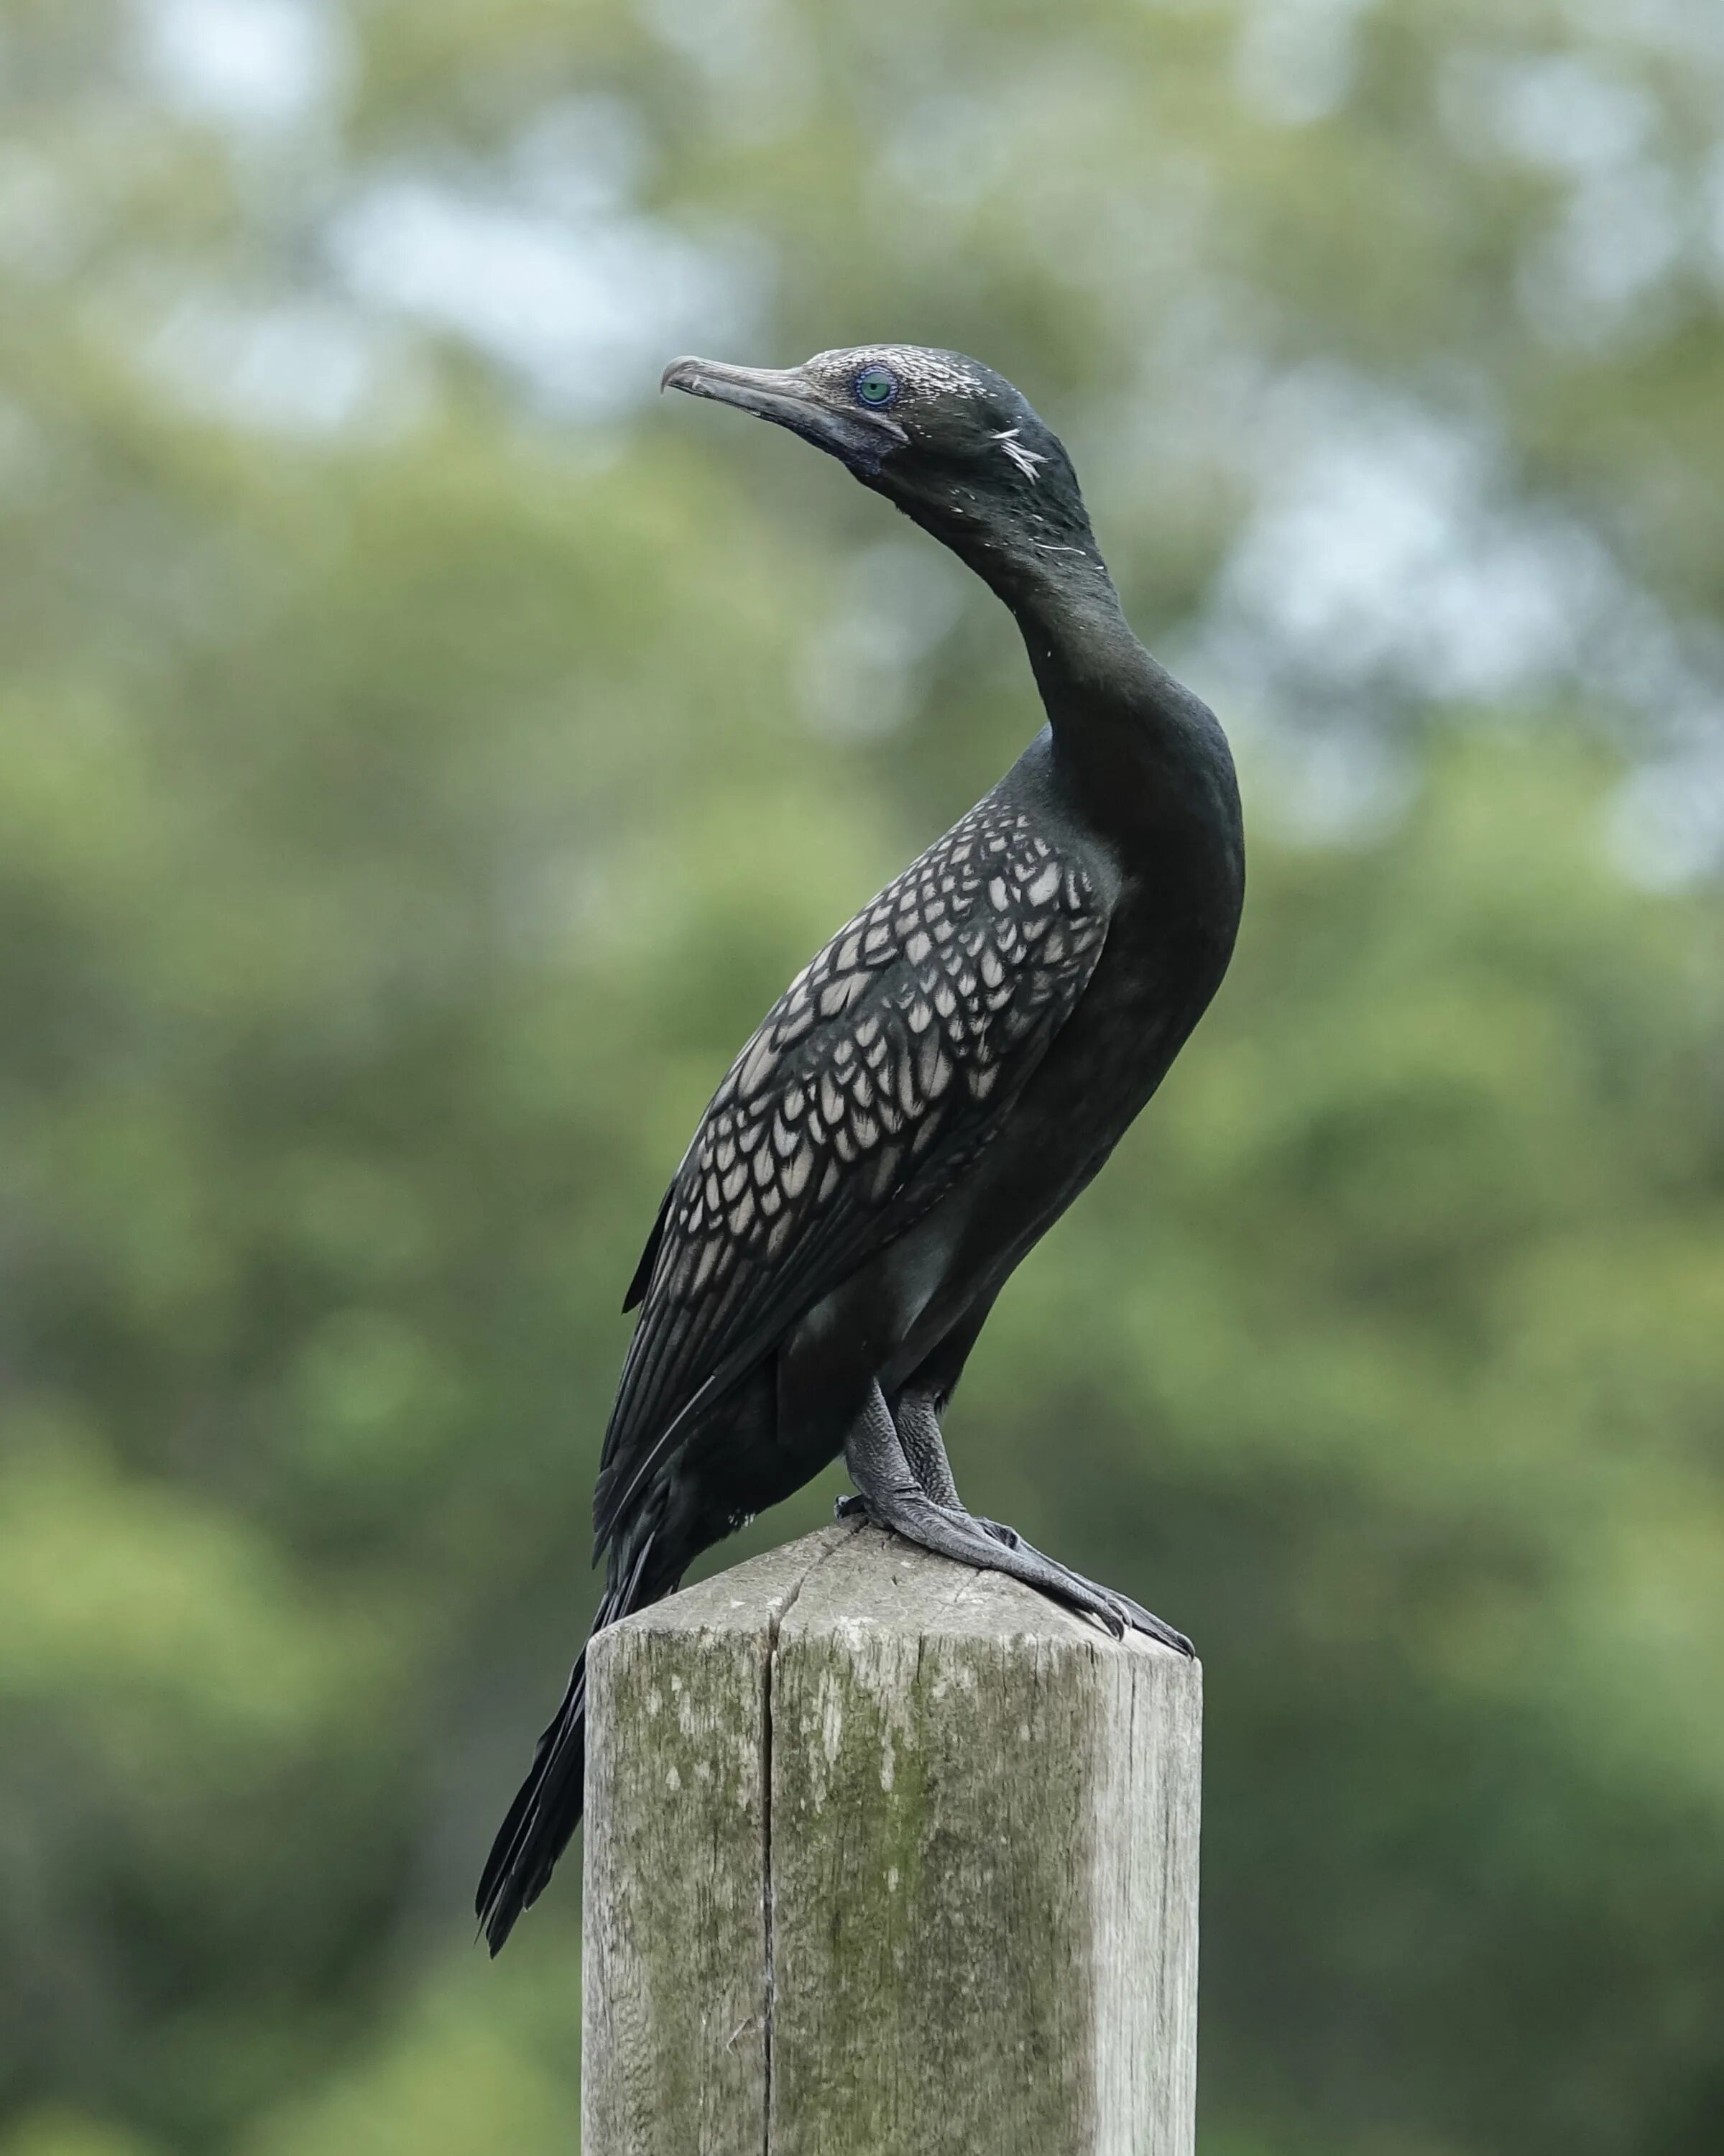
{"points": [[886, 1857]]}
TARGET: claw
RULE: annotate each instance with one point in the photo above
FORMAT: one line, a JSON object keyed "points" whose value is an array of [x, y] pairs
{"points": [[1131, 1615]]}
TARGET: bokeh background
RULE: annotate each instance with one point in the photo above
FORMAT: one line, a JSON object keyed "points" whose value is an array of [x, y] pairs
{"points": [[422, 756]]}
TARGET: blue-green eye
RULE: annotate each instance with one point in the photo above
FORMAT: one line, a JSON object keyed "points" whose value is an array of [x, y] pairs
{"points": [[876, 385]]}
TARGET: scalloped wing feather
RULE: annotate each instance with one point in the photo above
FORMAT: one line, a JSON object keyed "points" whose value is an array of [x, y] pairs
{"points": [[879, 1075]]}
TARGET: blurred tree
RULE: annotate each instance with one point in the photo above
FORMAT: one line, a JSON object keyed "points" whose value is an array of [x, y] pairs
{"points": [[419, 763]]}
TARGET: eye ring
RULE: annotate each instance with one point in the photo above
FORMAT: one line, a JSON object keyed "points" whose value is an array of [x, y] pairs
{"points": [[877, 387]]}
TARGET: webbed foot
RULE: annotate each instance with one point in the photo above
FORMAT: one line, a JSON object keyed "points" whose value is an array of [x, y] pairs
{"points": [[889, 1495], [1139, 1619]]}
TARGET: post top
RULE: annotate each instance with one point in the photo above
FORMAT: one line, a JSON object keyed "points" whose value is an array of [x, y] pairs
{"points": [[851, 1577]]}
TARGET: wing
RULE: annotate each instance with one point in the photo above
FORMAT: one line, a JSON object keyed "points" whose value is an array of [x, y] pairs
{"points": [[880, 1073]]}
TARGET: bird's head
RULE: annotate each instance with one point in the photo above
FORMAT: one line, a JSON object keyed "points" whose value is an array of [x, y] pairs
{"points": [[952, 443]]}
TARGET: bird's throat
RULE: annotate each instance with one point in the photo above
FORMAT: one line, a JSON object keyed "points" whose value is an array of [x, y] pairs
{"points": [[1130, 742], [1137, 752]]}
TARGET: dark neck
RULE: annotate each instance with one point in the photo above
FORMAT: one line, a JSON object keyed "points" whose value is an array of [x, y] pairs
{"points": [[1134, 747]]}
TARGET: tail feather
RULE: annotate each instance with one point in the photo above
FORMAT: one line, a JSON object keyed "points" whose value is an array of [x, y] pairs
{"points": [[547, 1807], [540, 1822]]}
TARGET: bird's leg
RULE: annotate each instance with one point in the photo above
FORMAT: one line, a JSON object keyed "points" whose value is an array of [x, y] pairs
{"points": [[917, 1424], [893, 1496], [917, 1421]]}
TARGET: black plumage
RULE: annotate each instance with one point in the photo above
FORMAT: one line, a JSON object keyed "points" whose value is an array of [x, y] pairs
{"points": [[937, 1085]]}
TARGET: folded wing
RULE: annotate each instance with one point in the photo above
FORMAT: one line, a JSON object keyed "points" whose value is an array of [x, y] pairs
{"points": [[879, 1075]]}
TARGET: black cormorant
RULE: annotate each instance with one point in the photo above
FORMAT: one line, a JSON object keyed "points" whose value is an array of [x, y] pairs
{"points": [[934, 1089]]}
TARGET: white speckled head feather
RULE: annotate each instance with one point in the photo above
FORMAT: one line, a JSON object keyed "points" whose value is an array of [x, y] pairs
{"points": [[919, 368], [1028, 461]]}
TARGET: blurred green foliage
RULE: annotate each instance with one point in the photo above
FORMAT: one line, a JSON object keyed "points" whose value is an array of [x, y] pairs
{"points": [[411, 791]]}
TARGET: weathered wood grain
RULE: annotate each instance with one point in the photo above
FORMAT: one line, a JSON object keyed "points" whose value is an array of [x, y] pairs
{"points": [[886, 1855]]}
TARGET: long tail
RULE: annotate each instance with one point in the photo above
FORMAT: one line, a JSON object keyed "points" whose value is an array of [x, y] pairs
{"points": [[547, 1807]]}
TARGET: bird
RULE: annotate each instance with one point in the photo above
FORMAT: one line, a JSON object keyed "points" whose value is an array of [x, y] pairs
{"points": [[937, 1085]]}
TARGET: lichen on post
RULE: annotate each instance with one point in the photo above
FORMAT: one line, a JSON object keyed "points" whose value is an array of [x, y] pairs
{"points": [[885, 1855]]}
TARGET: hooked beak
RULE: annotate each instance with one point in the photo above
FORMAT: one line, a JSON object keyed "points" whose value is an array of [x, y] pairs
{"points": [[788, 399]]}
